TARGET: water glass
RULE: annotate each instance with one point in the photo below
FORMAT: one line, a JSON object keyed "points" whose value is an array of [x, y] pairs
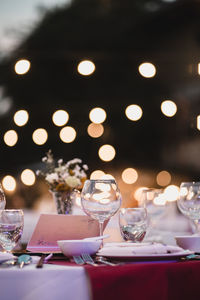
{"points": [[133, 223], [11, 228]]}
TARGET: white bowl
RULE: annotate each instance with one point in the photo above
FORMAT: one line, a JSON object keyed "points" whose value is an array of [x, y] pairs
{"points": [[77, 247], [190, 242]]}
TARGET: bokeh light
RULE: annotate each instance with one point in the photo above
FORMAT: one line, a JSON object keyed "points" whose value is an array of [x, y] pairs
{"points": [[138, 193], [28, 177], [21, 117], [129, 175], [97, 115], [133, 112], [67, 134], [9, 183], [198, 122], [60, 117], [106, 152], [171, 193], [147, 70], [163, 178], [40, 136], [97, 174], [95, 130], [86, 67], [22, 66], [10, 138], [168, 108]]}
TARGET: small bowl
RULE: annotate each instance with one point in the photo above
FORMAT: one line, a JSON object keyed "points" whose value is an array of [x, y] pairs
{"points": [[77, 247], [189, 242]]}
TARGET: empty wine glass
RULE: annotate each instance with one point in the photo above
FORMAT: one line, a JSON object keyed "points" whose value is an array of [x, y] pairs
{"points": [[2, 198], [11, 228], [133, 223], [100, 199], [189, 202]]}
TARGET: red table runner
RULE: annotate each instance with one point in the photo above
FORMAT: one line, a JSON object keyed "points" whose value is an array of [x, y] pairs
{"points": [[145, 280]]}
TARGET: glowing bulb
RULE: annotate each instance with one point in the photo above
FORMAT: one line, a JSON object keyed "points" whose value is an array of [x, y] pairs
{"points": [[147, 70], [10, 138], [97, 174], [133, 112], [168, 108], [40, 136], [163, 178], [22, 66], [28, 177], [129, 175], [97, 115], [86, 67], [107, 152], [95, 130], [60, 117], [68, 134], [9, 183], [21, 117]]}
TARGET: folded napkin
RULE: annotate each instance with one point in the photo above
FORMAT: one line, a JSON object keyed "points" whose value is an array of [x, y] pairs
{"points": [[126, 249], [6, 256]]}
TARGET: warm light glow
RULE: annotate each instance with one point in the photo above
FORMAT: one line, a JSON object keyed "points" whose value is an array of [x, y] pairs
{"points": [[199, 68], [129, 175], [68, 134], [28, 177], [40, 136], [107, 152], [138, 193], [97, 174], [9, 183], [198, 122], [60, 117], [160, 199], [86, 67], [171, 193], [107, 176], [163, 178], [147, 70], [22, 66], [10, 138], [168, 108], [133, 112], [97, 115], [95, 130], [21, 117]]}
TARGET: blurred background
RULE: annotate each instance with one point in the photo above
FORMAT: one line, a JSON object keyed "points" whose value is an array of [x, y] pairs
{"points": [[115, 83]]}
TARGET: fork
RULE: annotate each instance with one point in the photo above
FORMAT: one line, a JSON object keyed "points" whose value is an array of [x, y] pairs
{"points": [[88, 259], [78, 260]]}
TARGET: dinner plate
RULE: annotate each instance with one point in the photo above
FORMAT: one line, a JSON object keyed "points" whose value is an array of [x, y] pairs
{"points": [[148, 256]]}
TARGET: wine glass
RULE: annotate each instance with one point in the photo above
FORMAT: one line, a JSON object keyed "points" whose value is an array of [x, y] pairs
{"points": [[188, 202], [100, 199], [2, 198], [133, 223], [11, 228]]}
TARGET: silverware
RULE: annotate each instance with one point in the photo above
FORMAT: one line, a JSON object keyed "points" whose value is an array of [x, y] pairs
{"points": [[88, 259], [104, 261], [78, 260], [41, 261]]}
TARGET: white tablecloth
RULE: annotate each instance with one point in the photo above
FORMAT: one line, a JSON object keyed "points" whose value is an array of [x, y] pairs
{"points": [[51, 282]]}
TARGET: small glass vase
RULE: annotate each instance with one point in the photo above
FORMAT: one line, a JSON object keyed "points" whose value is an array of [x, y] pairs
{"points": [[63, 202]]}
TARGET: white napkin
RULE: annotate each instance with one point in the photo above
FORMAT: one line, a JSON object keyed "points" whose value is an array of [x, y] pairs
{"points": [[6, 256], [126, 249]]}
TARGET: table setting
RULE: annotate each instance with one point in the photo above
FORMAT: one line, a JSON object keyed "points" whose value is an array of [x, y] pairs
{"points": [[69, 244]]}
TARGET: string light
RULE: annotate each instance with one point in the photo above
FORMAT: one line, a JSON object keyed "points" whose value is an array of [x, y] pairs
{"points": [[22, 66], [28, 177], [9, 183], [10, 138], [86, 67], [133, 112], [68, 134], [21, 117], [97, 115], [147, 70], [60, 117], [107, 152], [168, 108], [40, 136]]}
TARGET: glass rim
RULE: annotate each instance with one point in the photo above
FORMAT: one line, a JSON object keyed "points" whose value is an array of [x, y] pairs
{"points": [[101, 180], [11, 210]]}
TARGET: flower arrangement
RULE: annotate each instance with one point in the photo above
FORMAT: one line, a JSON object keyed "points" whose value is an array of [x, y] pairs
{"points": [[62, 176]]}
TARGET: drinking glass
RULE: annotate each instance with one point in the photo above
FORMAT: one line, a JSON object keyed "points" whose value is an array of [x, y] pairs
{"points": [[100, 199], [189, 202], [11, 228], [2, 198], [133, 223]]}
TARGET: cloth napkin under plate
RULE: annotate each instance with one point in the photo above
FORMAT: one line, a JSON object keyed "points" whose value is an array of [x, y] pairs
{"points": [[127, 249]]}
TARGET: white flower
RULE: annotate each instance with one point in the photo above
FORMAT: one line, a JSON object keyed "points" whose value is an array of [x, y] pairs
{"points": [[85, 167], [72, 181], [52, 177]]}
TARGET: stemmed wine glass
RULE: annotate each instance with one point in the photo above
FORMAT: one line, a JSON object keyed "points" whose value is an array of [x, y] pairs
{"points": [[11, 228], [189, 202], [2, 198], [100, 199]]}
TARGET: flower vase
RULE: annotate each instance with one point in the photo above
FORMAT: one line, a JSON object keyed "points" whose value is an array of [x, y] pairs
{"points": [[63, 202]]}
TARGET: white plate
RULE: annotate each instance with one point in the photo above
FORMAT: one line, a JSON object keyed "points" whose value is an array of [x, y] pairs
{"points": [[151, 256]]}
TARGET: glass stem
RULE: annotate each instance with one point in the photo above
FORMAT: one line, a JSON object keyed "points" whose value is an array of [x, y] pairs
{"points": [[197, 225], [101, 231]]}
